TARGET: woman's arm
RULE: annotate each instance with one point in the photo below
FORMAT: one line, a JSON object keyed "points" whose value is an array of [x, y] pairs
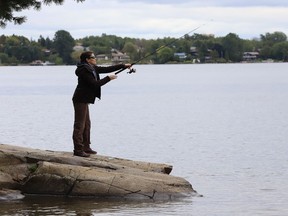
{"points": [[111, 68], [87, 77]]}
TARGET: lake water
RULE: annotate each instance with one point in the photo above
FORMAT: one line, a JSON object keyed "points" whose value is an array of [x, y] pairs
{"points": [[223, 127]]}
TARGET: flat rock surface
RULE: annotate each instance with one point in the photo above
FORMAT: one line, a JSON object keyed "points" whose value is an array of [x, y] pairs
{"points": [[33, 171]]}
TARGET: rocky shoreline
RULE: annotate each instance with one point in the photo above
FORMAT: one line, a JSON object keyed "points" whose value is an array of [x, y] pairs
{"points": [[25, 171]]}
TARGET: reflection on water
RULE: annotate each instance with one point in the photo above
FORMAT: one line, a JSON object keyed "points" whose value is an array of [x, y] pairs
{"points": [[33, 205]]}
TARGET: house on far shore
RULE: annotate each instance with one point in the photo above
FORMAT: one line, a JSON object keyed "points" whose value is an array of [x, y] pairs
{"points": [[41, 63], [181, 56], [102, 57], [250, 56], [80, 48], [119, 57]]}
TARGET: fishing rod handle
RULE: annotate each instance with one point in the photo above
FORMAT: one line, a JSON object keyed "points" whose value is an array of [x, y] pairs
{"points": [[131, 69]]}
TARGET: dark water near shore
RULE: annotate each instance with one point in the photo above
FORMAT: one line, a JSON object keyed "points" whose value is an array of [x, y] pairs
{"points": [[222, 127]]}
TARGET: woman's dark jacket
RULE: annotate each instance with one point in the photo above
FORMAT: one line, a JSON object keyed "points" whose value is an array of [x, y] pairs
{"points": [[89, 82]]}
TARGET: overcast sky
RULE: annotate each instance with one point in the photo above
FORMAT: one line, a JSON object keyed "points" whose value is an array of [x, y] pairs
{"points": [[152, 19]]}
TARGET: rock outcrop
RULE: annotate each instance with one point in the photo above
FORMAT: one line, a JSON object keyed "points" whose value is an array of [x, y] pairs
{"points": [[32, 171]]}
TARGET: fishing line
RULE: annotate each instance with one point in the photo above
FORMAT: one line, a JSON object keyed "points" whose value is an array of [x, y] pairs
{"points": [[157, 50]]}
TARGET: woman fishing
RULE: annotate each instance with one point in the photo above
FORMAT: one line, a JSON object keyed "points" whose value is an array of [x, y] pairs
{"points": [[88, 88]]}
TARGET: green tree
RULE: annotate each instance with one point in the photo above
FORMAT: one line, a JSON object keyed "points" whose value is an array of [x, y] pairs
{"points": [[131, 50], [4, 58], [280, 51], [56, 59], [233, 47], [165, 55], [266, 52], [76, 55], [202, 49], [47, 43], [102, 44], [268, 41], [251, 45], [21, 48], [63, 44], [218, 47], [7, 9], [182, 45], [271, 38]]}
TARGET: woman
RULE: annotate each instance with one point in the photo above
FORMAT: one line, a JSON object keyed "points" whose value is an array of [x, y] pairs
{"points": [[88, 88]]}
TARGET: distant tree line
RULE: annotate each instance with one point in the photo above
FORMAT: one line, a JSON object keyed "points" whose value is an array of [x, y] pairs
{"points": [[203, 48], [200, 48]]}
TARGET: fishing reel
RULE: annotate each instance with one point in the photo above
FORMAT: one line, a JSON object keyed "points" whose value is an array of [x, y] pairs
{"points": [[131, 70]]}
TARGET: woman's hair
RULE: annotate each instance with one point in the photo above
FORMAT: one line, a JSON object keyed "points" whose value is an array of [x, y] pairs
{"points": [[85, 55]]}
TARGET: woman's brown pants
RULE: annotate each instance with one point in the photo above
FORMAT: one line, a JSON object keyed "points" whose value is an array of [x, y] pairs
{"points": [[82, 126]]}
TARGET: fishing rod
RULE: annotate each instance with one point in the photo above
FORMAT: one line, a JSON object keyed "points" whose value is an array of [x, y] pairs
{"points": [[132, 70]]}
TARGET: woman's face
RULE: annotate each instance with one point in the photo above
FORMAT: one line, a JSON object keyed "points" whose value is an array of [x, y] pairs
{"points": [[91, 59]]}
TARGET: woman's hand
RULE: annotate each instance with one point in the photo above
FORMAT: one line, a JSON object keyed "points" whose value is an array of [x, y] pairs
{"points": [[128, 65], [112, 76]]}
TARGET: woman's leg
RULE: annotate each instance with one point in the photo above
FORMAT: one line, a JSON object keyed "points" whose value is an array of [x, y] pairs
{"points": [[80, 111], [86, 135]]}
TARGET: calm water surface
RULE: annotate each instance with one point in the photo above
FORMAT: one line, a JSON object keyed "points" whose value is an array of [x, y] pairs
{"points": [[224, 128]]}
